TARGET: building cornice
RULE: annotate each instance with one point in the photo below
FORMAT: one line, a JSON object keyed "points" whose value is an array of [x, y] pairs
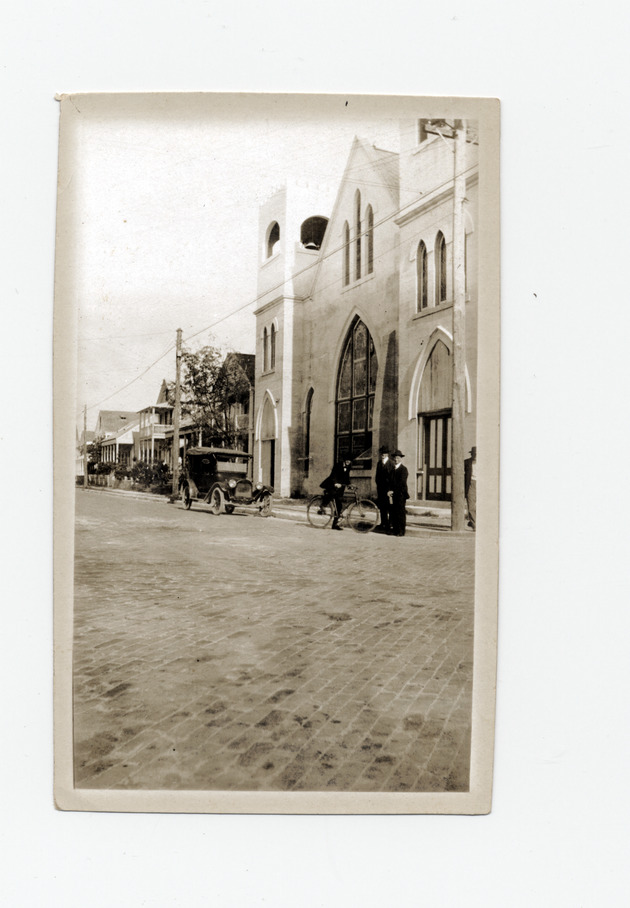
{"points": [[432, 200], [279, 299]]}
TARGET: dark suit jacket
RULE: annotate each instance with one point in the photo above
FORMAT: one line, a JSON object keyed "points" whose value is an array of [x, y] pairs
{"points": [[399, 482], [384, 476], [468, 464], [338, 474]]}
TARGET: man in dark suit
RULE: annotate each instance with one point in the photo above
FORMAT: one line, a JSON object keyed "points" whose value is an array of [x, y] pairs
{"points": [[384, 469], [335, 485], [399, 495], [470, 487]]}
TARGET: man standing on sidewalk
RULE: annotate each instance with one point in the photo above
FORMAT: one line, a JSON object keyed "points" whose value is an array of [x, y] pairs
{"points": [[399, 495], [384, 469], [470, 487]]}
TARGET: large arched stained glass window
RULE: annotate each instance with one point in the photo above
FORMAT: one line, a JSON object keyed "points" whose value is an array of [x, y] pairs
{"points": [[356, 386]]}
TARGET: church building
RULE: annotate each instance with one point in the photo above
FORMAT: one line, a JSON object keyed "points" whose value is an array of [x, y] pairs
{"points": [[354, 328]]}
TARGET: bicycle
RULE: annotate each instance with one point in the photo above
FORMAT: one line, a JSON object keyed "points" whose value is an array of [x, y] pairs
{"points": [[361, 514]]}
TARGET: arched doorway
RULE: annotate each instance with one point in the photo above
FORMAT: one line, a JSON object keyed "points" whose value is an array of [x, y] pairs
{"points": [[268, 442], [435, 400]]}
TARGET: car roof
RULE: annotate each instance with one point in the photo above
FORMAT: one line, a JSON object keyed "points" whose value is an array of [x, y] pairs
{"points": [[232, 452]]}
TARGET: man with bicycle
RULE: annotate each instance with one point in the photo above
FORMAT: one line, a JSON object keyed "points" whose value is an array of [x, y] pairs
{"points": [[334, 486]]}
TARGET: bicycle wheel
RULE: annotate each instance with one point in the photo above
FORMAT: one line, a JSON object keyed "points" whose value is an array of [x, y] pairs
{"points": [[362, 516], [319, 515]]}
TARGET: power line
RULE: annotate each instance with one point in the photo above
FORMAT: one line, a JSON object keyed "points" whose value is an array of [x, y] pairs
{"points": [[320, 259], [133, 380], [278, 286]]}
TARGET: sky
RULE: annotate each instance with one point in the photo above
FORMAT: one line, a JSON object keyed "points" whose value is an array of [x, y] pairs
{"points": [[167, 229]]}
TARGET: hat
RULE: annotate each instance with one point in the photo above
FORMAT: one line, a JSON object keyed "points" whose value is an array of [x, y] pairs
{"points": [[383, 450], [473, 452], [398, 453]]}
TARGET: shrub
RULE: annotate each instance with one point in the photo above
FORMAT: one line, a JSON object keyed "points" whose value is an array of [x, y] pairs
{"points": [[103, 469]]}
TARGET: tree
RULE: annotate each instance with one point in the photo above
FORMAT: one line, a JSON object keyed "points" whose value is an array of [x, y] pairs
{"points": [[211, 387], [94, 452]]}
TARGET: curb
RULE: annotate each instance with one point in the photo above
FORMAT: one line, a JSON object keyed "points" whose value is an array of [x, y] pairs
{"points": [[287, 512]]}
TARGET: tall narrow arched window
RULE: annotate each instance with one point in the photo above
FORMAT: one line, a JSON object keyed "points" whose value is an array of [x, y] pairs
{"points": [[272, 357], [357, 234], [265, 351], [440, 268], [354, 402], [273, 238], [370, 240], [346, 254], [307, 431], [421, 277]]}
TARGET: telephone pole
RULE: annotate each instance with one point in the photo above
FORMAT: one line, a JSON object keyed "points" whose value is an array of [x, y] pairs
{"points": [[176, 413], [459, 329], [457, 134], [85, 461]]}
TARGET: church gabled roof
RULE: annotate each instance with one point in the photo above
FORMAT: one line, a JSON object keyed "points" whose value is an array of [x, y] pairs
{"points": [[382, 169], [387, 165]]}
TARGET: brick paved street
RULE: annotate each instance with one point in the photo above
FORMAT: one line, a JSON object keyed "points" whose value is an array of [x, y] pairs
{"points": [[240, 653]]}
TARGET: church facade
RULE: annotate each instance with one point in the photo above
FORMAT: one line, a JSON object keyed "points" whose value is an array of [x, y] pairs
{"points": [[354, 328]]}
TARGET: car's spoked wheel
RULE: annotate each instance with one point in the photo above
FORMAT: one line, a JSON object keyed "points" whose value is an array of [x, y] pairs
{"points": [[217, 502], [265, 505]]}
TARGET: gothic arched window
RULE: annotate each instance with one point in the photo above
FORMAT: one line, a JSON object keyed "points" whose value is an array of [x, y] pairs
{"points": [[272, 357], [440, 268], [346, 254], [370, 240], [265, 351], [354, 402], [357, 234], [422, 298]]}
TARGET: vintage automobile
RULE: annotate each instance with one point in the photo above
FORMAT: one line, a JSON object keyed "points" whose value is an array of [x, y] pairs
{"points": [[219, 477]]}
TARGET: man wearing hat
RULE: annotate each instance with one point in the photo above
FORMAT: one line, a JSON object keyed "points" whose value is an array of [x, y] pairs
{"points": [[470, 486], [335, 485], [399, 495], [384, 469]]}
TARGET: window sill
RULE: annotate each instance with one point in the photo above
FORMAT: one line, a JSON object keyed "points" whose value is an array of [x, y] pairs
{"points": [[271, 258], [431, 309], [268, 372], [353, 284]]}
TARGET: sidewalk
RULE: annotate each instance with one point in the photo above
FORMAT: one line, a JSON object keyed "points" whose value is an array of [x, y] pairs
{"points": [[421, 520]]}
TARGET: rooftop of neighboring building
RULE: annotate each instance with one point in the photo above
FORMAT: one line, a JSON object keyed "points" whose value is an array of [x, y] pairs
{"points": [[112, 421]]}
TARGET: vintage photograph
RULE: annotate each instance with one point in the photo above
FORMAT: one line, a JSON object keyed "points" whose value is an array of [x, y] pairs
{"points": [[276, 420]]}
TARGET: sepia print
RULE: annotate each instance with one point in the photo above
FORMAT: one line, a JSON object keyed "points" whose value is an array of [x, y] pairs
{"points": [[276, 358]]}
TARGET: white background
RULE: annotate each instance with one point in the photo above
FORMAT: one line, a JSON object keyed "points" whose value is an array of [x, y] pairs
{"points": [[558, 833]]}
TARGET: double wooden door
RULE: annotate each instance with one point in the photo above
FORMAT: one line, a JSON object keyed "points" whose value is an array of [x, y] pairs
{"points": [[436, 455]]}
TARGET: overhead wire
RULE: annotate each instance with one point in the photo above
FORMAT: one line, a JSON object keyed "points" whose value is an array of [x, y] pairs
{"points": [[358, 168]]}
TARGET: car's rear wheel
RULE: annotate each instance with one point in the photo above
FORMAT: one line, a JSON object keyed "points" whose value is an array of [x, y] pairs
{"points": [[265, 505], [217, 502], [186, 497]]}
